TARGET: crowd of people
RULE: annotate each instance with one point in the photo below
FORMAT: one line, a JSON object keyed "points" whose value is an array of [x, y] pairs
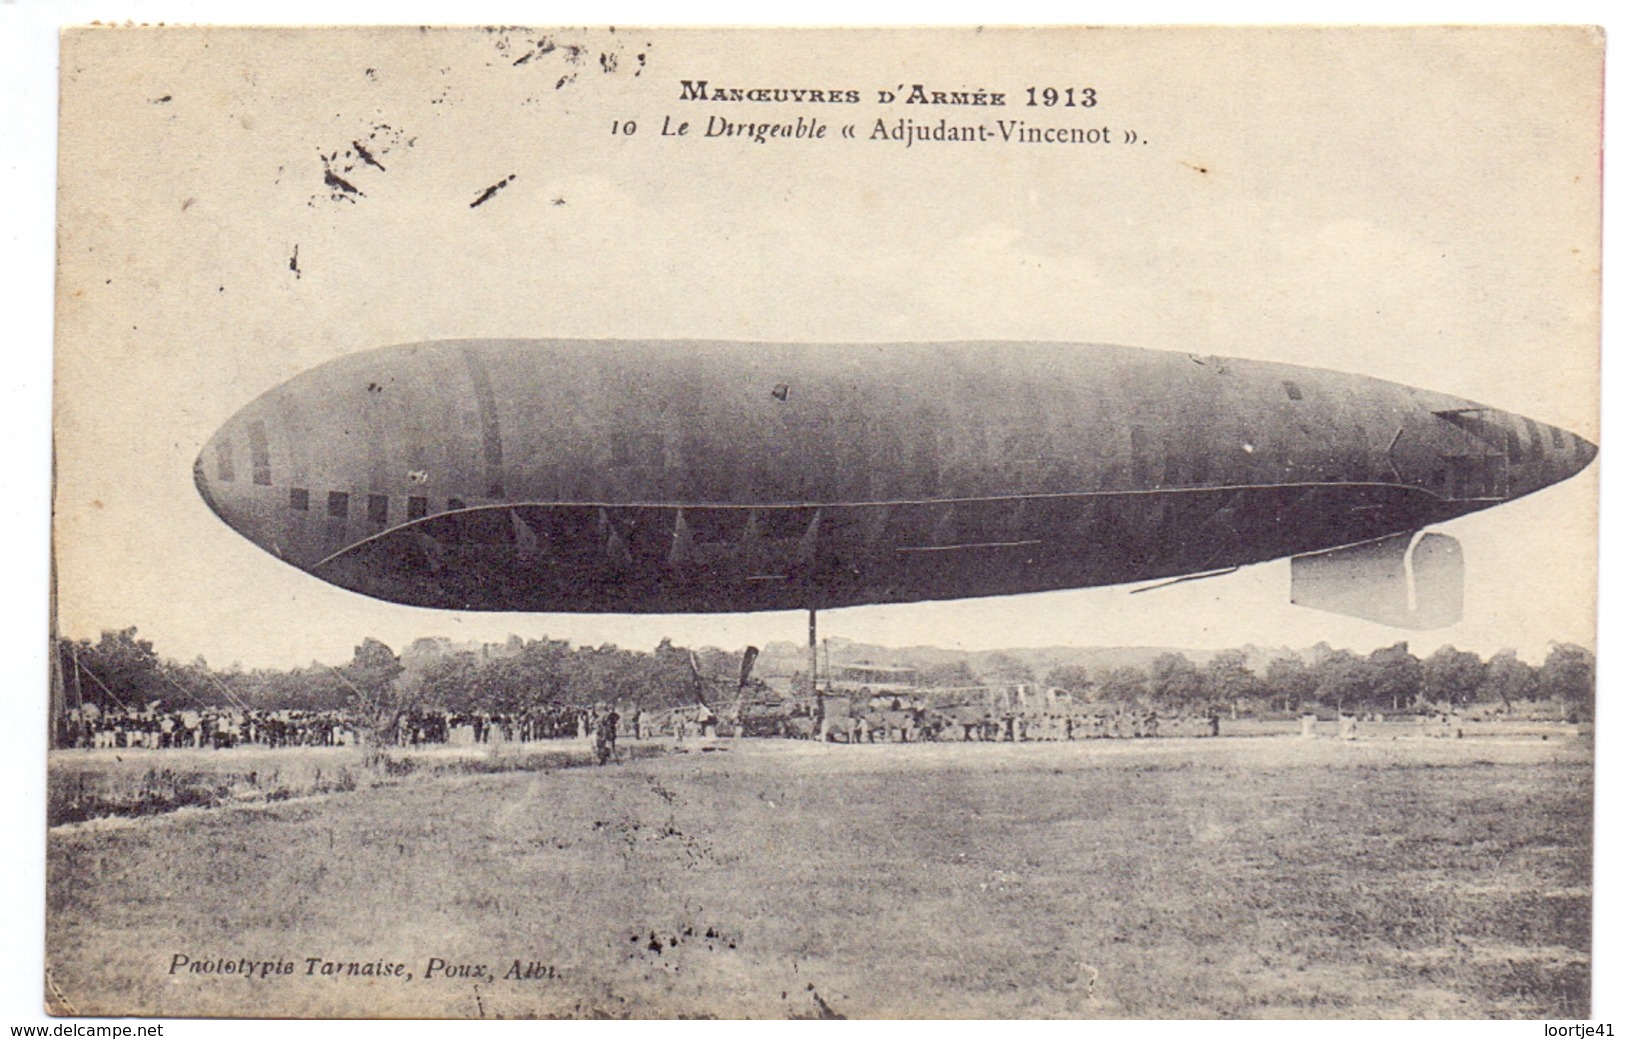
{"points": [[155, 728], [837, 720], [831, 718], [419, 727]]}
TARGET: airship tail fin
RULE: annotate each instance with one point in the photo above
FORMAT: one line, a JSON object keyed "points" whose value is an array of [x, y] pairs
{"points": [[1413, 580]]}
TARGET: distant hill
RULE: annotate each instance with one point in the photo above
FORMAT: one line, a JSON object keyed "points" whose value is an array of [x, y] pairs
{"points": [[780, 660], [786, 658], [423, 650]]}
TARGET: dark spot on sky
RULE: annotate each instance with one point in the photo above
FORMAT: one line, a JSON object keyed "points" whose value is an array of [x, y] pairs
{"points": [[333, 180], [340, 166], [166, 99], [493, 189], [293, 263], [538, 48], [365, 155]]}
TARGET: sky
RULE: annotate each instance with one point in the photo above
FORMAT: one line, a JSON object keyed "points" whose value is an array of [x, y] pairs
{"points": [[1293, 199]]}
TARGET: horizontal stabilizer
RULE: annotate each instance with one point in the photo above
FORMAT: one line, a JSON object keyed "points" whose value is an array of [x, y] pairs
{"points": [[1412, 580]]}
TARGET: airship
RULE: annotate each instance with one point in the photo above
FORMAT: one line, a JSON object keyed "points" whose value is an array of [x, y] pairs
{"points": [[704, 477]]}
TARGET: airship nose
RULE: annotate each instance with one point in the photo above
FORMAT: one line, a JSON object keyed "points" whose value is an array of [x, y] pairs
{"points": [[1584, 452], [201, 479], [1542, 455], [1467, 452]]}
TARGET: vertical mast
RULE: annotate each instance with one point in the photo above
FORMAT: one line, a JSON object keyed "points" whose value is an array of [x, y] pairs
{"points": [[812, 650]]}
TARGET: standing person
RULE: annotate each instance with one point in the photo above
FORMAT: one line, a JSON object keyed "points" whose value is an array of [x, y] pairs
{"points": [[604, 735]]}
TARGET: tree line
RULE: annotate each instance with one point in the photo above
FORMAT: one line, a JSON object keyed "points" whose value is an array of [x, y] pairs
{"points": [[1390, 679], [123, 671]]}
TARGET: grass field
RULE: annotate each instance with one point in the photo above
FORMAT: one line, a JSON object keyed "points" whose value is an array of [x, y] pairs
{"points": [[1254, 876], [84, 785]]}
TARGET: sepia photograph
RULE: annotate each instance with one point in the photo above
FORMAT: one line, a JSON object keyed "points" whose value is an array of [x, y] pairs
{"points": [[862, 523]]}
